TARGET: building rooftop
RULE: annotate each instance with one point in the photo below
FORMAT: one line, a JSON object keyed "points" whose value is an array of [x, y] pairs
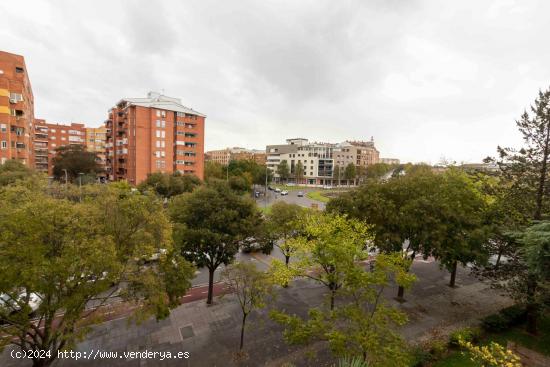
{"points": [[157, 100]]}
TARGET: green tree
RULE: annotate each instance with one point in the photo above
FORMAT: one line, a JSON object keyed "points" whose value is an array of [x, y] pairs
{"points": [[59, 258], [377, 170], [328, 245], [283, 170], [209, 224], [350, 173], [527, 168], [366, 326], [167, 185], [251, 287], [72, 160], [337, 174], [299, 172], [12, 171], [213, 170], [284, 223]]}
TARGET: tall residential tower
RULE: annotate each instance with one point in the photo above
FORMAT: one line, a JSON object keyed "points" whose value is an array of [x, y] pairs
{"points": [[153, 134]]}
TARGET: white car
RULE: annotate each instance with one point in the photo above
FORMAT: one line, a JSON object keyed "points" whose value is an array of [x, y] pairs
{"points": [[277, 190], [284, 193]]}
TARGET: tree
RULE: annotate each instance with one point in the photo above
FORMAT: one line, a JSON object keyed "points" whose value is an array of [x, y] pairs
{"points": [[422, 213], [213, 170], [527, 168], [284, 223], [377, 170], [12, 171], [364, 327], [61, 257], [329, 245], [299, 172], [251, 287], [283, 170], [72, 160], [350, 172], [167, 185], [209, 224], [337, 174]]}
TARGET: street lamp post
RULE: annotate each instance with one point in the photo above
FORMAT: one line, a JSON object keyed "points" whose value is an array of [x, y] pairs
{"points": [[80, 174], [66, 177]]}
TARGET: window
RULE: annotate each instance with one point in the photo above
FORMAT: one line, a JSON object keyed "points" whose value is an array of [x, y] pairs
{"points": [[3, 128], [4, 144], [63, 132], [163, 144], [158, 123], [19, 69], [163, 134], [160, 164], [52, 130], [163, 123], [53, 145], [17, 97], [163, 113], [158, 143], [158, 133], [162, 153], [158, 113], [63, 138]]}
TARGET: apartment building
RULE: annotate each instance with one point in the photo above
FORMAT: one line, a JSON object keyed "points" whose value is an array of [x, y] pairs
{"points": [[16, 110], [321, 161], [95, 143], [316, 159], [153, 134], [49, 136], [224, 156], [389, 160]]}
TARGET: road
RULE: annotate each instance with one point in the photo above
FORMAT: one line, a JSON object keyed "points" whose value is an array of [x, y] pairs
{"points": [[291, 198]]}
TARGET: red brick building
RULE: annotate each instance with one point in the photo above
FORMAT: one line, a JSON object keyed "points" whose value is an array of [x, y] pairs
{"points": [[16, 110], [153, 134], [49, 136]]}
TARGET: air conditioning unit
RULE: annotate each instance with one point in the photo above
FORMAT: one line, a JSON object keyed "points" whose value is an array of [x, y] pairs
{"points": [[13, 100]]}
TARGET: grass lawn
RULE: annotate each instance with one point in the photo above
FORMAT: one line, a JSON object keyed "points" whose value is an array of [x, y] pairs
{"points": [[318, 195], [290, 188]]}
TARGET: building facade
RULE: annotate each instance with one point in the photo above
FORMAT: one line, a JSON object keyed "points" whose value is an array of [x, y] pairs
{"points": [[322, 163], [153, 134], [16, 110], [390, 160], [224, 156], [95, 142], [49, 136]]}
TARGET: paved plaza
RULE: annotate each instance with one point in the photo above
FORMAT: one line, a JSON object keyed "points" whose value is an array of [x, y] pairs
{"points": [[210, 334]]}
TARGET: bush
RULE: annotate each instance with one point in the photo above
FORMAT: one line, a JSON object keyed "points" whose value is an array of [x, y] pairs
{"points": [[466, 334], [494, 323], [420, 357], [515, 315], [505, 318], [437, 348]]}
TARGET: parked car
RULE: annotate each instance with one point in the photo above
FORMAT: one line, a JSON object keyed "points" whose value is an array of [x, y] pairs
{"points": [[257, 194], [284, 193], [300, 194], [277, 190], [270, 188]]}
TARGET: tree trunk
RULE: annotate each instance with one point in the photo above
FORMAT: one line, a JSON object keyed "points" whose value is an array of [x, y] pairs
{"points": [[332, 296], [497, 263], [210, 286], [287, 259], [400, 293], [542, 177], [242, 331], [453, 274]]}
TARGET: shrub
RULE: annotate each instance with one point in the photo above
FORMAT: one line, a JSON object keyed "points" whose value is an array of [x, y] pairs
{"points": [[467, 334], [437, 348], [495, 323], [420, 357], [514, 315], [505, 318]]}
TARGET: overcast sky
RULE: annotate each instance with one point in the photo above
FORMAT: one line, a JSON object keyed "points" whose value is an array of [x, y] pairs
{"points": [[426, 78]]}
